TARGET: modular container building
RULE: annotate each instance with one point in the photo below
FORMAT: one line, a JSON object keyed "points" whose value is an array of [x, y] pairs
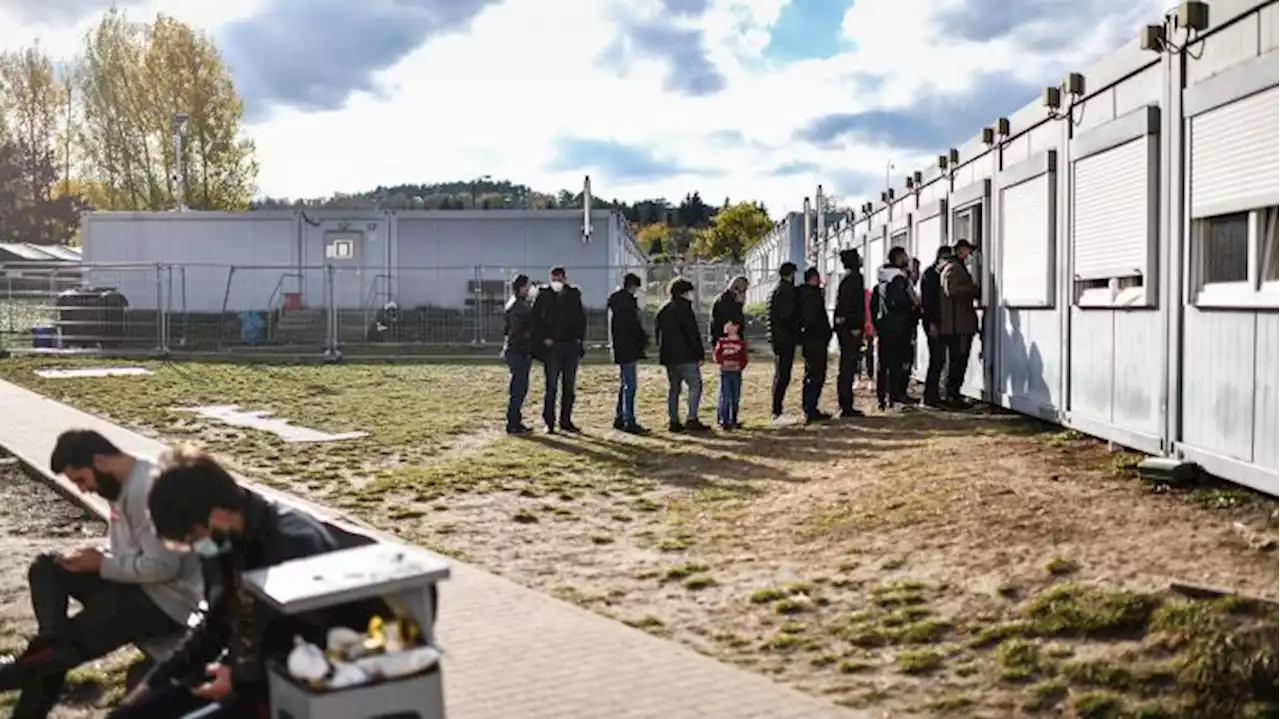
{"points": [[1127, 257], [350, 260], [784, 243]]}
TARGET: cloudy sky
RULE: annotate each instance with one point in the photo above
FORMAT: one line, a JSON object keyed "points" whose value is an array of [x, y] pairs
{"points": [[757, 99]]}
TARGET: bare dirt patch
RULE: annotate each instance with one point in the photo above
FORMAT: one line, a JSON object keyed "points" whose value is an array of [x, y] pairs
{"points": [[34, 519], [902, 562]]}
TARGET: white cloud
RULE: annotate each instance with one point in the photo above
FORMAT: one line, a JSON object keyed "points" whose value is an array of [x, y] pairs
{"points": [[492, 102]]}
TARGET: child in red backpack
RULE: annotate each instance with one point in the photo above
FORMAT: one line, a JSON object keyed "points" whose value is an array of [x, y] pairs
{"points": [[731, 355]]}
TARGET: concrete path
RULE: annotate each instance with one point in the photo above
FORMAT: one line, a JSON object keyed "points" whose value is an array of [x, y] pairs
{"points": [[510, 651]]}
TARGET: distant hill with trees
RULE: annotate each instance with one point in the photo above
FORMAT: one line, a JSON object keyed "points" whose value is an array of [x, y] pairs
{"points": [[689, 229]]}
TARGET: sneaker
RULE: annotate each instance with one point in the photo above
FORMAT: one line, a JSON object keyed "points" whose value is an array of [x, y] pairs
{"points": [[695, 425], [569, 427], [675, 427], [634, 428], [519, 429], [549, 429], [817, 417], [620, 425], [852, 414]]}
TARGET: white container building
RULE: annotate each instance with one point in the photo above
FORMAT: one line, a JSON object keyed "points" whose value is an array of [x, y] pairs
{"points": [[1128, 249]]}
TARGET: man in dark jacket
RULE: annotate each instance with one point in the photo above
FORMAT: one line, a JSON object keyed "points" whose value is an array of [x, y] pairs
{"points": [[783, 331], [517, 350], [628, 340], [850, 316], [957, 317], [930, 309], [195, 504], [728, 308], [815, 340], [559, 328], [680, 351], [893, 306]]}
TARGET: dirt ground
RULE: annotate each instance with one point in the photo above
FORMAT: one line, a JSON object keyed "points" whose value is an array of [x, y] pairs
{"points": [[969, 563], [33, 520]]}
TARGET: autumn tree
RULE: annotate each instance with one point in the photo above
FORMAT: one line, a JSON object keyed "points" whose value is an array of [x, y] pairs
{"points": [[36, 204], [654, 239], [135, 79], [733, 231]]}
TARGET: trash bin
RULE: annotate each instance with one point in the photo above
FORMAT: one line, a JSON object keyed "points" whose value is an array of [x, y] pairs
{"points": [[405, 576], [91, 317], [44, 337]]}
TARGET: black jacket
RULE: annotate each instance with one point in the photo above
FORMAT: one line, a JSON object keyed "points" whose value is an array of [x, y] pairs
{"points": [[783, 323], [626, 333], [679, 341], [851, 303], [249, 630], [726, 309], [517, 326], [930, 295], [558, 316], [815, 325]]}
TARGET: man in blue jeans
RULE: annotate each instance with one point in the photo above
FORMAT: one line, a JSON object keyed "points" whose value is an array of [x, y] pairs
{"points": [[517, 351], [627, 339], [559, 328]]}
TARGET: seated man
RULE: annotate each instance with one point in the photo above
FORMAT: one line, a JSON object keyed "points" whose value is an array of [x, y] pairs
{"points": [[219, 671], [137, 590]]}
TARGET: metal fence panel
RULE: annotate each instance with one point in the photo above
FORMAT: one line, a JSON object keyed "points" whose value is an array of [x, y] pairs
{"points": [[329, 309]]}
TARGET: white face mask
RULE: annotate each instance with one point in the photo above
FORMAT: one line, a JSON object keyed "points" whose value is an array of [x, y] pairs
{"points": [[556, 285], [688, 296], [635, 291]]}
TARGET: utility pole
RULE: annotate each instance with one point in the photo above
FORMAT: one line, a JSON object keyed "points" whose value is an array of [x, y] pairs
{"points": [[179, 186]]}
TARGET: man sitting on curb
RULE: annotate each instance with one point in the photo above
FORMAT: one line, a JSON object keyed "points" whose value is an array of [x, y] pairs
{"points": [[219, 670], [136, 590]]}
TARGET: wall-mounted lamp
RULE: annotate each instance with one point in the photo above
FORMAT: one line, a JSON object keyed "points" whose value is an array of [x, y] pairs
{"points": [[988, 136], [911, 183], [1192, 16], [942, 162], [918, 176], [1002, 127], [954, 156]]}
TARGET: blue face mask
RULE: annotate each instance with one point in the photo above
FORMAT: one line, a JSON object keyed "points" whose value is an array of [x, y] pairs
{"points": [[207, 548]]}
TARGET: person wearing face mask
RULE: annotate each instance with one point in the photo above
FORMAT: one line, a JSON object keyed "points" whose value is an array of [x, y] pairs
{"points": [[893, 304], [516, 347], [559, 329], [627, 341], [137, 591], [218, 672], [680, 350]]}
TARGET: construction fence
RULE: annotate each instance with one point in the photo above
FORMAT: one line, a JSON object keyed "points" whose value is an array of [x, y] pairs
{"points": [[162, 309]]}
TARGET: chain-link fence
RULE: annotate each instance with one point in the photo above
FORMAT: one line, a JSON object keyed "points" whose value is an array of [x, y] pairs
{"points": [[290, 310]]}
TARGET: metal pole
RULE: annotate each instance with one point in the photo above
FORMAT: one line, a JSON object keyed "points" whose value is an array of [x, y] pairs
{"points": [[159, 309]]}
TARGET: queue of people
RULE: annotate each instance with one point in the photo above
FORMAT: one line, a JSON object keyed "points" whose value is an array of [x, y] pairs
{"points": [[874, 328], [181, 535]]}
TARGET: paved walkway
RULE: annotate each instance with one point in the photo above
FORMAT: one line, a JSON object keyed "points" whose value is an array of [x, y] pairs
{"points": [[510, 651]]}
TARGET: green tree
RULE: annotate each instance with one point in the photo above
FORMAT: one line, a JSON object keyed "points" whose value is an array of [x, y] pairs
{"points": [[733, 231]]}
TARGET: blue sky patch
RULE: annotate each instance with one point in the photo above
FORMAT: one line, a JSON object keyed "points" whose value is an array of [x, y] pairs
{"points": [[806, 30]]}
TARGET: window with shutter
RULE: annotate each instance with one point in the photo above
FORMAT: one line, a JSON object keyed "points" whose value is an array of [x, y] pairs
{"points": [[1026, 243], [1235, 158]]}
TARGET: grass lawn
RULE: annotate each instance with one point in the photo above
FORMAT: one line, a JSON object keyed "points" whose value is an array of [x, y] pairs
{"points": [[975, 563]]}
